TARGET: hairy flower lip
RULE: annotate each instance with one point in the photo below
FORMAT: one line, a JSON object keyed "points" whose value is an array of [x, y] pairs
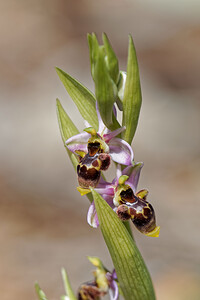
{"points": [[119, 150], [107, 190]]}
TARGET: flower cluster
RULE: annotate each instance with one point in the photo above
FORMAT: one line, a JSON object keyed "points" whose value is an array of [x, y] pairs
{"points": [[95, 150]]}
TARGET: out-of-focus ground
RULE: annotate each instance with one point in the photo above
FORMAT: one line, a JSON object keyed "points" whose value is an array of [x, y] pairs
{"points": [[42, 217]]}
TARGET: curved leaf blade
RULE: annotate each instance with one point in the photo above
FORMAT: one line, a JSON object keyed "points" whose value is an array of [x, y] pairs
{"points": [[93, 49], [111, 58], [67, 129], [132, 95], [82, 97], [68, 289], [104, 66], [105, 89], [41, 295], [133, 276]]}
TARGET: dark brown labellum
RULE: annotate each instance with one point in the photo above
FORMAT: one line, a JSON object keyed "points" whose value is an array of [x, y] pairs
{"points": [[139, 210], [88, 174], [144, 217], [90, 166]]}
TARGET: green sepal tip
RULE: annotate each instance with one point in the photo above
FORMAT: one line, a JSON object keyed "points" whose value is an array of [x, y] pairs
{"points": [[68, 289], [41, 295]]}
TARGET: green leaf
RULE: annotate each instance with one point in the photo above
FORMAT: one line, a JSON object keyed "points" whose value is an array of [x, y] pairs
{"points": [[41, 295], [111, 59], [120, 87], [68, 290], [128, 228], [82, 97], [133, 276], [67, 129], [105, 89], [94, 49], [90, 45], [132, 95]]}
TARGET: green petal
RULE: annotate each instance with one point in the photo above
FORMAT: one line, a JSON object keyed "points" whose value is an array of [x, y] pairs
{"points": [[133, 276], [67, 129], [41, 295], [82, 97], [132, 95], [111, 59], [68, 290]]}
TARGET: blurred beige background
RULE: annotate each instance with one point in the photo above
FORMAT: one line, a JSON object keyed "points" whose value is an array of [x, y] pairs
{"points": [[42, 217]]}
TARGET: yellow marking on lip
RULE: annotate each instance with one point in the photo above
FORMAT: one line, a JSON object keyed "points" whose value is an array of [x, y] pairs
{"points": [[154, 233], [83, 191]]}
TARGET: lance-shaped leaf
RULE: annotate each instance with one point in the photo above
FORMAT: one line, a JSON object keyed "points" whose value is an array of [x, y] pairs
{"points": [[94, 49], [68, 289], [132, 95], [41, 295], [82, 97], [111, 59], [133, 276], [67, 129]]}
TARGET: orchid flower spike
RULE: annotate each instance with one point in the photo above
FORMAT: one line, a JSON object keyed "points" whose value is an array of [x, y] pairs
{"points": [[104, 282], [106, 141]]}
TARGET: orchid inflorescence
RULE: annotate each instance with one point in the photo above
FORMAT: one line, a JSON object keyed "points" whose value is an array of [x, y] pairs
{"points": [[103, 141], [95, 150]]}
